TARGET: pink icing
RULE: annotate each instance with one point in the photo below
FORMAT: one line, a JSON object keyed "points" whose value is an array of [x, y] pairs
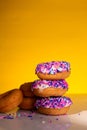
{"points": [[53, 102], [53, 67], [42, 84]]}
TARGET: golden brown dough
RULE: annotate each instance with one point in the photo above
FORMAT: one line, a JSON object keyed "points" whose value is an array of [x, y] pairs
{"points": [[57, 76], [27, 103], [10, 100], [54, 112], [26, 89], [47, 92]]}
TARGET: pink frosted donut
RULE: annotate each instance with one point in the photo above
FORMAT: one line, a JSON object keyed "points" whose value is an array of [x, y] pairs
{"points": [[46, 88], [53, 70], [53, 105]]}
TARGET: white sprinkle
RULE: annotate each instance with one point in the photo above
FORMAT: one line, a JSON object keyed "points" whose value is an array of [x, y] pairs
{"points": [[60, 69], [43, 122]]}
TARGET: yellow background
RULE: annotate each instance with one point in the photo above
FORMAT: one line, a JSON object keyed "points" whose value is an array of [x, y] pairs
{"points": [[34, 31]]}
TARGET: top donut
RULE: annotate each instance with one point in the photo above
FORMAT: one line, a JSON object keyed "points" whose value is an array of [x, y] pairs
{"points": [[53, 70]]}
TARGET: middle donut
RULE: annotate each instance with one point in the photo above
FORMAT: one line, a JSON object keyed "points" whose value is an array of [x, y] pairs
{"points": [[47, 88]]}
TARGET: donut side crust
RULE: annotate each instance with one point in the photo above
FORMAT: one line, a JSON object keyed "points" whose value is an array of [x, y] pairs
{"points": [[57, 76], [10, 100], [54, 112], [47, 92], [27, 103]]}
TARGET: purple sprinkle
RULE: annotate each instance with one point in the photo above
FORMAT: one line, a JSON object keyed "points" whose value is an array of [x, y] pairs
{"points": [[29, 115], [53, 102], [53, 67], [42, 84], [8, 117], [2, 117]]}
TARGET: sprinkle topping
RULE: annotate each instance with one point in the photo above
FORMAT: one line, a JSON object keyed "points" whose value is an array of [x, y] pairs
{"points": [[42, 84], [53, 102], [53, 67]]}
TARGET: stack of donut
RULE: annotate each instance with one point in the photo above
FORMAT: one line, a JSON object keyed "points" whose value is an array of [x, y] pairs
{"points": [[28, 97], [51, 86], [45, 94]]}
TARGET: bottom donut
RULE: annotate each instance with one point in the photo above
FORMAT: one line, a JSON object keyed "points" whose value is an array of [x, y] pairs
{"points": [[52, 111], [53, 105]]}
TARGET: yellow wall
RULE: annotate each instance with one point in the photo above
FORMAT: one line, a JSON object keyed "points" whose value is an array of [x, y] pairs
{"points": [[37, 31]]}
